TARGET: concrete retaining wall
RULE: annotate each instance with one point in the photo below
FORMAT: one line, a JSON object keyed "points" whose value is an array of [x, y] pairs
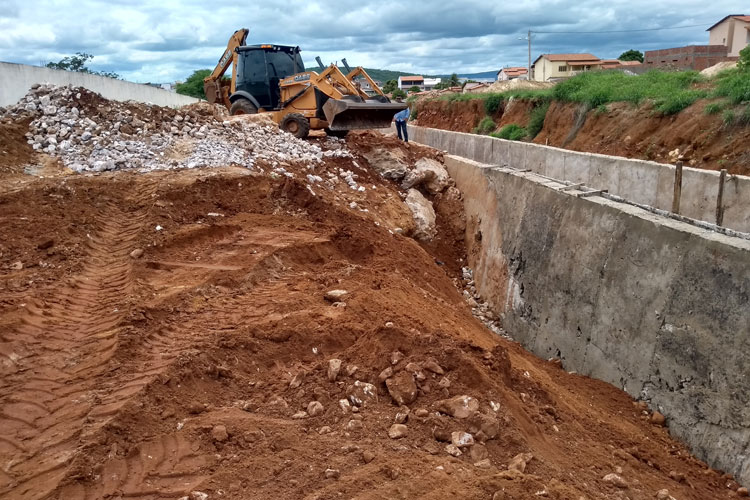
{"points": [[17, 79], [655, 306], [644, 182]]}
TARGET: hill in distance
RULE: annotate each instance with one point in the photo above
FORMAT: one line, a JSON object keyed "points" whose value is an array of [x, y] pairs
{"points": [[383, 75]]}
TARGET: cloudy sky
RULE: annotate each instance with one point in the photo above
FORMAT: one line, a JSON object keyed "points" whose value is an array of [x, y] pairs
{"points": [[165, 40]]}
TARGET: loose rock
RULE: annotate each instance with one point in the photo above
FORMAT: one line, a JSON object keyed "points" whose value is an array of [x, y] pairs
{"points": [[336, 295], [314, 409], [616, 480], [657, 418], [398, 431], [219, 433], [402, 388], [332, 474], [519, 462], [458, 406], [334, 367]]}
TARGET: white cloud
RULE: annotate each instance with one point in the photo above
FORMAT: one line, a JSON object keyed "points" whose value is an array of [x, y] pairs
{"points": [[166, 40]]}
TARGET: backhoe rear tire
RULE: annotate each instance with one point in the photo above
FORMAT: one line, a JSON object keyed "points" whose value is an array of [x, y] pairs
{"points": [[336, 133], [243, 107], [295, 124]]}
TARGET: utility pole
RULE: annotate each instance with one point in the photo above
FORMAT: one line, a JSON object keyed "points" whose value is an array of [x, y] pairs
{"points": [[529, 68]]}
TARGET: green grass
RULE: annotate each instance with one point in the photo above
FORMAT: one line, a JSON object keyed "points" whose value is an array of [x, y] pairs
{"points": [[734, 85], [728, 117], [512, 132], [536, 120], [713, 108], [485, 126], [670, 91], [744, 117]]}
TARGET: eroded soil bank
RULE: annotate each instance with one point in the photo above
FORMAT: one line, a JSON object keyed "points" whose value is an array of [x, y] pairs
{"points": [[619, 129]]}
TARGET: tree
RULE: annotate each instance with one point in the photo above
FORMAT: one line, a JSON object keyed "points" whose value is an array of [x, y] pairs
{"points": [[413, 89], [744, 62], [78, 63], [398, 94], [453, 80], [193, 86], [390, 86], [631, 55]]}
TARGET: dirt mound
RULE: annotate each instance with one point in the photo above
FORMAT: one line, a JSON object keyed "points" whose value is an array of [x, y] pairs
{"points": [[207, 323], [14, 150], [505, 86], [274, 333], [717, 68]]}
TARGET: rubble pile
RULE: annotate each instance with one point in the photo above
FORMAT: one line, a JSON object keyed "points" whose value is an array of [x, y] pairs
{"points": [[90, 133], [479, 308]]}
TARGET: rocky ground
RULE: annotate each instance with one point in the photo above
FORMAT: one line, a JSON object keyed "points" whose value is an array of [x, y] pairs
{"points": [[222, 311]]}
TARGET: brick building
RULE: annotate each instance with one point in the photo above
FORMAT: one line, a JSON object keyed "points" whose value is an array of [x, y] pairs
{"points": [[695, 57]]}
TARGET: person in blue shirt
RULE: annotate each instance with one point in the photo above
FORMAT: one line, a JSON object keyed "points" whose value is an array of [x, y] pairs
{"points": [[401, 118]]}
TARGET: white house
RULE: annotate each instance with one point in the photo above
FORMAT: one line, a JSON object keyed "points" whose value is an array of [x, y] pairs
{"points": [[407, 82], [733, 32]]}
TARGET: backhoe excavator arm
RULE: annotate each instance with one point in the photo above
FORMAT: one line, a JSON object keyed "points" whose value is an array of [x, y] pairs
{"points": [[360, 71], [212, 84]]}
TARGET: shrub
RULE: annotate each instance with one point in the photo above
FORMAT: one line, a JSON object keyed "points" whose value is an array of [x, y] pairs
{"points": [[536, 121], [671, 91], [744, 118], [512, 132], [485, 126], [734, 85], [492, 103], [678, 101], [728, 117], [713, 108], [744, 63]]}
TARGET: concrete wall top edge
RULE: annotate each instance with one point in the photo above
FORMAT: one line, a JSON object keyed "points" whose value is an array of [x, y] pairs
{"points": [[660, 220]]}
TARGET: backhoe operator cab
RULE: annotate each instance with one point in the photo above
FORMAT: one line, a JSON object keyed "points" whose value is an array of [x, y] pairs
{"points": [[272, 79], [260, 68]]}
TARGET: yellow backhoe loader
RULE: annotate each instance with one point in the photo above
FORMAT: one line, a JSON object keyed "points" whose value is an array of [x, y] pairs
{"points": [[272, 79]]}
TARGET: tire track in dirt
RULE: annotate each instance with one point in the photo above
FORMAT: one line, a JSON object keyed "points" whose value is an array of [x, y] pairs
{"points": [[52, 363], [169, 465]]}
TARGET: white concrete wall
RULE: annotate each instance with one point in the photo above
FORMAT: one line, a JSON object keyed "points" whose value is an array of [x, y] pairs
{"points": [[652, 305], [640, 181], [17, 79]]}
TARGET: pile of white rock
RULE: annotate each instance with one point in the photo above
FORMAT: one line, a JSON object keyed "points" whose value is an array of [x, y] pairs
{"points": [[90, 133]]}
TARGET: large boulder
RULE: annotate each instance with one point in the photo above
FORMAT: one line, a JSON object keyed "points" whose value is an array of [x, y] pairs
{"points": [[428, 173], [423, 214], [387, 163]]}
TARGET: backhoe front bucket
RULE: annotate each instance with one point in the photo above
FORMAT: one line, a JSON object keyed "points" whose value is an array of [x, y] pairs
{"points": [[351, 115]]}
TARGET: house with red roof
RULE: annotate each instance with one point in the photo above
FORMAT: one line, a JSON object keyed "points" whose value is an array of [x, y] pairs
{"points": [[512, 73]]}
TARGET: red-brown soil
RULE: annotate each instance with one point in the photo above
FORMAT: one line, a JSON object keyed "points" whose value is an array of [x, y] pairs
{"points": [[118, 372], [622, 130]]}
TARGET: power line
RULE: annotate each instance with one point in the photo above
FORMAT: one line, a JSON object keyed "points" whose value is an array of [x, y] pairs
{"points": [[622, 31]]}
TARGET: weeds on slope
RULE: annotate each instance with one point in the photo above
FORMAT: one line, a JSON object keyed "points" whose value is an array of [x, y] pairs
{"points": [[734, 84], [671, 91]]}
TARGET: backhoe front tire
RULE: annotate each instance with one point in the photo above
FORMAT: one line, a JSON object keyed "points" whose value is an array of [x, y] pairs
{"points": [[295, 124], [243, 107], [336, 133]]}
